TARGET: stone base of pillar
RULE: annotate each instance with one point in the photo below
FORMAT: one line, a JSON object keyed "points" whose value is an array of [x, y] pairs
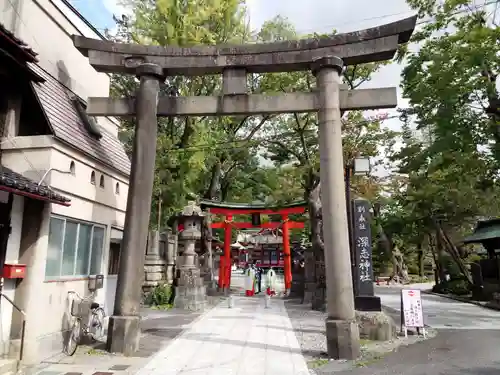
{"points": [[298, 286], [154, 272], [342, 339], [124, 334], [309, 288], [367, 303], [376, 325], [190, 292], [318, 301]]}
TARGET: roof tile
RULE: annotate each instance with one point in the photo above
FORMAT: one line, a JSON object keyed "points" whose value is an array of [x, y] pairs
{"points": [[68, 126], [16, 181]]}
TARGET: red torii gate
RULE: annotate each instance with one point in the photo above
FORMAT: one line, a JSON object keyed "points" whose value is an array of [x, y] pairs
{"points": [[230, 209]]}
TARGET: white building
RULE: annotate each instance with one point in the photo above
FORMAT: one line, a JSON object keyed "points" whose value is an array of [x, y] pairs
{"points": [[72, 230]]}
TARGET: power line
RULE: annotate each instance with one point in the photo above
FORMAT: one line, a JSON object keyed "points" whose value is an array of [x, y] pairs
{"points": [[254, 141]]}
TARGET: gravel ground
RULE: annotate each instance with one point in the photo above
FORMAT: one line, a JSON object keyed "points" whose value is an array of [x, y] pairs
{"points": [[309, 327]]}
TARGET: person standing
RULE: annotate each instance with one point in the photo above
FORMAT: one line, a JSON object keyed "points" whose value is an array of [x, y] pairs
{"points": [[259, 279], [271, 282], [249, 281]]}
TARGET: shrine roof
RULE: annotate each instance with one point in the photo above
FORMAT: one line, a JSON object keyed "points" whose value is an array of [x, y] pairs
{"points": [[485, 230]]}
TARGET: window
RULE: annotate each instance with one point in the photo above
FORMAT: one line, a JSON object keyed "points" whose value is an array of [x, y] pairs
{"points": [[75, 248], [101, 181], [117, 189], [114, 258], [72, 167], [92, 178]]}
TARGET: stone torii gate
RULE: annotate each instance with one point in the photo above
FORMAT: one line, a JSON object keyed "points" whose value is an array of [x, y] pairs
{"points": [[326, 57]]}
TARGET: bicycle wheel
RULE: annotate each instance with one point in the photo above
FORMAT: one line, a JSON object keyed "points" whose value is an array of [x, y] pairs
{"points": [[97, 324], [73, 339]]}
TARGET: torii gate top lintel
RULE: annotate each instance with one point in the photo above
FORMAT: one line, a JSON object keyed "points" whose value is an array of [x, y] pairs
{"points": [[363, 46], [230, 208]]}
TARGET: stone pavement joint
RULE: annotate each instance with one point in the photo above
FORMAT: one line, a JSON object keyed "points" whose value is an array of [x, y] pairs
{"points": [[244, 340]]}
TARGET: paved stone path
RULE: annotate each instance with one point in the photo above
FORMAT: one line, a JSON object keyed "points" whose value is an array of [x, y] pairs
{"points": [[244, 340]]}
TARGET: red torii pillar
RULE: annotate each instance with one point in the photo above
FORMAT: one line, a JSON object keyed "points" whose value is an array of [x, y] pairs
{"points": [[225, 259], [227, 250], [287, 254]]}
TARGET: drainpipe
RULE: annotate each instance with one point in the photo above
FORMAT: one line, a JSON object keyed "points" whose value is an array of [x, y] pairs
{"points": [[52, 169]]}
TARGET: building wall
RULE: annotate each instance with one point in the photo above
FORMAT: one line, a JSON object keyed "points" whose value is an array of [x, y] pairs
{"points": [[90, 203], [12, 256], [46, 26]]}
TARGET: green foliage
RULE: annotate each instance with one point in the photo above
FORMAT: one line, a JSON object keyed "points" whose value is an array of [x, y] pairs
{"points": [[159, 297], [457, 287], [449, 162], [293, 139], [212, 158]]}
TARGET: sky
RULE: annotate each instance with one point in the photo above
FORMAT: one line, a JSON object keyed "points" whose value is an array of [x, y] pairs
{"points": [[310, 16]]}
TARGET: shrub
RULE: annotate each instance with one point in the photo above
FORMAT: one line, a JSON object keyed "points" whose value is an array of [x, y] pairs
{"points": [[457, 287], [159, 296]]}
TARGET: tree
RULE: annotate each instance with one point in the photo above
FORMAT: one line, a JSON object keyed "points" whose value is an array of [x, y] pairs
{"points": [[293, 139], [450, 161], [195, 156]]}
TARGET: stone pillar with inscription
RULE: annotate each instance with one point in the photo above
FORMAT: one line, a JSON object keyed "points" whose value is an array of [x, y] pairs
{"points": [[364, 300], [169, 239], [154, 264]]}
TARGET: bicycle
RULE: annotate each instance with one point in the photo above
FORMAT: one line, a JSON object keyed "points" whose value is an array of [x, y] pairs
{"points": [[94, 327]]}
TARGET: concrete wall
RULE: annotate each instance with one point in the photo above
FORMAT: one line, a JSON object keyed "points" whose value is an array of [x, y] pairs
{"points": [[46, 26], [32, 156]]}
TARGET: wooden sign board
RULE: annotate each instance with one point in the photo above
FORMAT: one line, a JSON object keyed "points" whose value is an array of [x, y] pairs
{"points": [[412, 313]]}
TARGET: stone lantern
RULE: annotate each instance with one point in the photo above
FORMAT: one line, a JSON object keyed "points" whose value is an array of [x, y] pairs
{"points": [[190, 291]]}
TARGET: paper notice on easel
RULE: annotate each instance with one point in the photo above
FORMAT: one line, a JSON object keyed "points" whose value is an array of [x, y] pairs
{"points": [[411, 308]]}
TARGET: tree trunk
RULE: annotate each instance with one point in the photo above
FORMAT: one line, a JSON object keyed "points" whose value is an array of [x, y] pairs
{"points": [[449, 247], [440, 254], [434, 252], [421, 258], [398, 265], [315, 276], [214, 181]]}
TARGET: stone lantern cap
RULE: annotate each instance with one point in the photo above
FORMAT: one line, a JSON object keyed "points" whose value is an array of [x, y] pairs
{"points": [[192, 209], [191, 217]]}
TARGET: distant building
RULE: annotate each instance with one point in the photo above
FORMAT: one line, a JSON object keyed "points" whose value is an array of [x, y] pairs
{"points": [[63, 177]]}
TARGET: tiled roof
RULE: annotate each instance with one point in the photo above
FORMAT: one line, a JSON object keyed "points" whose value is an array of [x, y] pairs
{"points": [[14, 181], [69, 128], [29, 54]]}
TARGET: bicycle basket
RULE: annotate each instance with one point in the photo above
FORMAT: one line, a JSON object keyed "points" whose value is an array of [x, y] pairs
{"points": [[80, 309]]}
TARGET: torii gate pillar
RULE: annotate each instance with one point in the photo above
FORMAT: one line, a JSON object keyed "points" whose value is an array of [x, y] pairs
{"points": [[342, 331], [124, 326]]}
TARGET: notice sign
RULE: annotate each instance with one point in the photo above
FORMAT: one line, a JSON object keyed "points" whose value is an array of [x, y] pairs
{"points": [[412, 314]]}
